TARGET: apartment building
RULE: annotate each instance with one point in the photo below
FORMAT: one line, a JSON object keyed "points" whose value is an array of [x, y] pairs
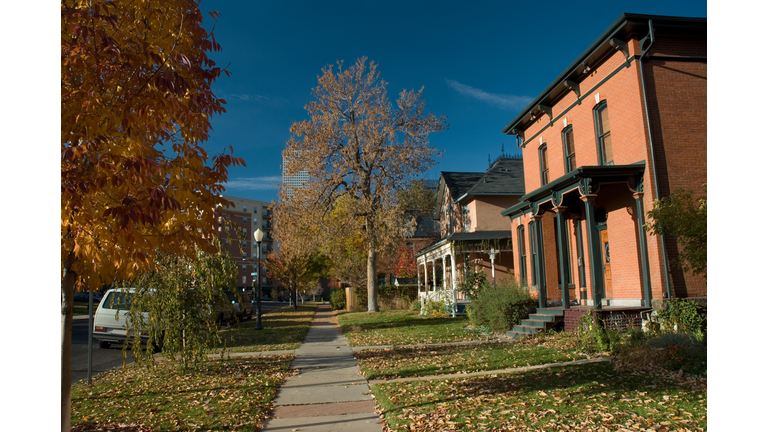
{"points": [[245, 216]]}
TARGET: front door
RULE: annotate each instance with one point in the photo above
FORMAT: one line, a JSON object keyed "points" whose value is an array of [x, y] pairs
{"points": [[606, 252]]}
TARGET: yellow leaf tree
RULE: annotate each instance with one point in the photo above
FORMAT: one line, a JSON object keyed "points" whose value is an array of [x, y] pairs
{"points": [[136, 103], [359, 145]]}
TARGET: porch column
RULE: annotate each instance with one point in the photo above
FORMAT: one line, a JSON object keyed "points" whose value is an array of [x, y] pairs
{"points": [[434, 276], [561, 239], [645, 267], [593, 245], [541, 273], [453, 276], [418, 276], [445, 284]]}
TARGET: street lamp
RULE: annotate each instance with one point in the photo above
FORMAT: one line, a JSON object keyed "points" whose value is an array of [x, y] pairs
{"points": [[258, 235]]}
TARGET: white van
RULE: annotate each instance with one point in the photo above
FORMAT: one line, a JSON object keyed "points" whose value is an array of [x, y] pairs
{"points": [[109, 320]]}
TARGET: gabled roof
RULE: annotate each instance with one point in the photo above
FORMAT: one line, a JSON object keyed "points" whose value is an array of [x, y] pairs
{"points": [[460, 182], [504, 177]]}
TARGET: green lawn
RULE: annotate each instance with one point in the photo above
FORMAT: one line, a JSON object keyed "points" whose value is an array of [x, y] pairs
{"points": [[424, 361], [571, 398], [402, 327], [231, 394], [283, 329]]}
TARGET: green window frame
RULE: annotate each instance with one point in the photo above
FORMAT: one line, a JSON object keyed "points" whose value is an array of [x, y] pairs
{"points": [[569, 149], [534, 263], [603, 134], [544, 164], [523, 256]]}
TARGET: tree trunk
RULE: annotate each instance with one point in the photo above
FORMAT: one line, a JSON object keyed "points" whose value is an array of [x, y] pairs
{"points": [[373, 292], [67, 308], [295, 298]]}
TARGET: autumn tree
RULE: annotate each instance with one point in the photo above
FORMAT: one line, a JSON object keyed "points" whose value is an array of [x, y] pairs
{"points": [[683, 216], [299, 263], [359, 145], [136, 103]]}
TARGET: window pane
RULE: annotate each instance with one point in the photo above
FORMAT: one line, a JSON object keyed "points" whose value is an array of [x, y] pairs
{"points": [[607, 149], [605, 125]]}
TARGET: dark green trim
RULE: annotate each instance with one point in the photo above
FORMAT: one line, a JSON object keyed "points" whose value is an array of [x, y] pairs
{"points": [[600, 133], [561, 257], [584, 177], [578, 101], [521, 252], [644, 260], [542, 160], [580, 254], [595, 257], [624, 28], [563, 135]]}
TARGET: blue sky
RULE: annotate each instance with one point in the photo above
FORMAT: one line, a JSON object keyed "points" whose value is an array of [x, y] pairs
{"points": [[480, 64]]}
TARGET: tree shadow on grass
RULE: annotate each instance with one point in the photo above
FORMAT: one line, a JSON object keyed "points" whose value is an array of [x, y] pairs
{"points": [[599, 384]]}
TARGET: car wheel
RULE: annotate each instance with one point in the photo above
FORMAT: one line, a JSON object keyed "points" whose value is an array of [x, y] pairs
{"points": [[104, 344]]}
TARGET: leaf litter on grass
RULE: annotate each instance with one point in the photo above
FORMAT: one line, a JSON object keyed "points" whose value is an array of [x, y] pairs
{"points": [[573, 398], [231, 394]]}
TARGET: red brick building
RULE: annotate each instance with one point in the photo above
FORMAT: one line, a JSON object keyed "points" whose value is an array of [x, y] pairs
{"points": [[472, 230], [624, 124]]}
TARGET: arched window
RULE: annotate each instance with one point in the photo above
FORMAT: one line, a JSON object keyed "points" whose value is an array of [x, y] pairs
{"points": [[603, 134], [544, 164], [569, 149]]}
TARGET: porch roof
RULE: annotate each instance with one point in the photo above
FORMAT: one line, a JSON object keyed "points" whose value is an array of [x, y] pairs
{"points": [[602, 173], [477, 236]]}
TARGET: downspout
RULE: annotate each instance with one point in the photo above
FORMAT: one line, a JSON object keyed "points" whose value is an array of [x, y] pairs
{"points": [[653, 155]]}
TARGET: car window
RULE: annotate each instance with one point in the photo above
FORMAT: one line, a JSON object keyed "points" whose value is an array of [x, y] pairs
{"points": [[231, 296], [118, 300]]}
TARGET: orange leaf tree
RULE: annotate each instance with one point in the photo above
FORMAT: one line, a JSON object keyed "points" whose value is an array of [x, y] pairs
{"points": [[359, 145], [136, 103]]}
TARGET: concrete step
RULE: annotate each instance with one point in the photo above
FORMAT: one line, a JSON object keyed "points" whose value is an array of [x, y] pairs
{"points": [[547, 311], [526, 329], [516, 335], [542, 317], [534, 323]]}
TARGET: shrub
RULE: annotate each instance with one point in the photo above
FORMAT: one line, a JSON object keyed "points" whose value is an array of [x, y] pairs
{"points": [[501, 308], [594, 337], [435, 308], [683, 316], [473, 283], [338, 299], [416, 305]]}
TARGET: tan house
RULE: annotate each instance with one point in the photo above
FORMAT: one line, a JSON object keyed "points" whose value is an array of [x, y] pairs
{"points": [[472, 229]]}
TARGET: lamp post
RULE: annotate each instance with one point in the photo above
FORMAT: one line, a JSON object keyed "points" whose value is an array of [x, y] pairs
{"points": [[258, 235]]}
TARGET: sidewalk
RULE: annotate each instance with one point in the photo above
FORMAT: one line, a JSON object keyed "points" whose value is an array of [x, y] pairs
{"points": [[328, 394]]}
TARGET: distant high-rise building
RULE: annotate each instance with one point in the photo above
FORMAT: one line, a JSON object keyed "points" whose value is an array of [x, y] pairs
{"points": [[291, 182]]}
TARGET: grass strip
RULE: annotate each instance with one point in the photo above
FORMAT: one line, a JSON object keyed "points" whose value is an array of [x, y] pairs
{"points": [[572, 398], [424, 361], [403, 327], [282, 329], [230, 394]]}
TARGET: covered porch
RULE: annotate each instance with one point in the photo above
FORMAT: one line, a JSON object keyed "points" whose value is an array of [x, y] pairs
{"points": [[438, 265], [587, 207]]}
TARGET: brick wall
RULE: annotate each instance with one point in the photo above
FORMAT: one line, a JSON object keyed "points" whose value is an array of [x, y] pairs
{"points": [[677, 105]]}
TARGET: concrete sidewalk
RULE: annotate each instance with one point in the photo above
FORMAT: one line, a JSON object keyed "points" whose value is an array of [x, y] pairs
{"points": [[328, 394]]}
